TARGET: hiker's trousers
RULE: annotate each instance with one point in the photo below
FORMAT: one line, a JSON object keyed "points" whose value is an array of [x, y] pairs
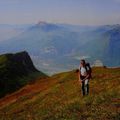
{"points": [[85, 87]]}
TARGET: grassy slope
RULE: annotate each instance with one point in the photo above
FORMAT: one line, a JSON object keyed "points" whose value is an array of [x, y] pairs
{"points": [[59, 98]]}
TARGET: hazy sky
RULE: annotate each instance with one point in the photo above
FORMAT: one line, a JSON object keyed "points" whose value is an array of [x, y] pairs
{"points": [[84, 12]]}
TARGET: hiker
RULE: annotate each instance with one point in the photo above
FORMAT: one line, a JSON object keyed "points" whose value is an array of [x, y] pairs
{"points": [[84, 76]]}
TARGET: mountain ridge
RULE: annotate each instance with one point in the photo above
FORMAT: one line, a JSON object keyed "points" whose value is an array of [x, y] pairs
{"points": [[53, 43], [16, 70]]}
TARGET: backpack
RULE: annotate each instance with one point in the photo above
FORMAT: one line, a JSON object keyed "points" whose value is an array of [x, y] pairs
{"points": [[89, 70]]}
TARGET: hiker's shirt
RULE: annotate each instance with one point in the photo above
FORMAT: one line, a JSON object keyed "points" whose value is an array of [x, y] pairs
{"points": [[83, 73]]}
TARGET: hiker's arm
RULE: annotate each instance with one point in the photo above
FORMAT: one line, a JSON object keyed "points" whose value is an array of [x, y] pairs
{"points": [[79, 79]]}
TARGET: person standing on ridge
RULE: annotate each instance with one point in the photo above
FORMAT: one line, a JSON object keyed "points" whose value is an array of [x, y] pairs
{"points": [[84, 76]]}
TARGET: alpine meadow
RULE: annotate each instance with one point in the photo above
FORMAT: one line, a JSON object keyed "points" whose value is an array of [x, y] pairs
{"points": [[59, 59]]}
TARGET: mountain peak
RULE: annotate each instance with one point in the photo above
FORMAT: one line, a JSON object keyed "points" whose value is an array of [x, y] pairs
{"points": [[42, 23]]}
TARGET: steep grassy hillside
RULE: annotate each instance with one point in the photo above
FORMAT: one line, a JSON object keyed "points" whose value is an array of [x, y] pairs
{"points": [[59, 98], [16, 70]]}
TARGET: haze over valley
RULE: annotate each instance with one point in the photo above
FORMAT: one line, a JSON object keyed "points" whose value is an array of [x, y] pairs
{"points": [[59, 47]]}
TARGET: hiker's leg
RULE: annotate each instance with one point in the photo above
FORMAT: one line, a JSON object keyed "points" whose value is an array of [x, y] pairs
{"points": [[87, 86], [83, 88], [87, 89]]}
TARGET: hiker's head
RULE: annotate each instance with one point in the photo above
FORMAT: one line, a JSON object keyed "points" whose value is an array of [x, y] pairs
{"points": [[82, 63]]}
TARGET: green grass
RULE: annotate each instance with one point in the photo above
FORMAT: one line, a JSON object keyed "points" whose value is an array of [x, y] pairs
{"points": [[63, 100]]}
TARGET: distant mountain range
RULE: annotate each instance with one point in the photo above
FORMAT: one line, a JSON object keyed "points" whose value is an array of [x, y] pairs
{"points": [[59, 47], [10, 31], [16, 70]]}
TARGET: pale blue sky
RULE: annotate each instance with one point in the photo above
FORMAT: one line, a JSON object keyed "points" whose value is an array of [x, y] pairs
{"points": [[83, 12]]}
